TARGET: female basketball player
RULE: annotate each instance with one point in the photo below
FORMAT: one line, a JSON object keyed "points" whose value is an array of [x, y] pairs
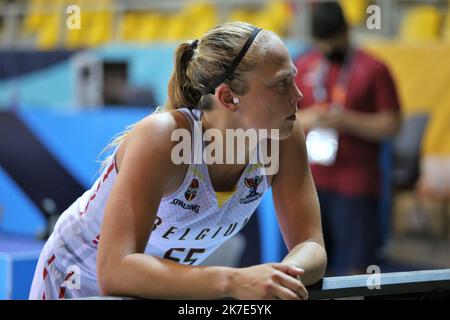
{"points": [[147, 223]]}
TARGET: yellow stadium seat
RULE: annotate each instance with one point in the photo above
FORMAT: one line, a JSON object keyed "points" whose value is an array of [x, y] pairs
{"points": [[200, 28], [96, 22], [423, 22], [73, 39], [276, 16], [199, 18], [128, 26], [48, 36], [35, 17], [447, 24], [421, 73], [45, 21], [41, 22], [354, 11], [149, 26], [99, 29], [447, 28], [242, 15], [177, 26], [76, 38]]}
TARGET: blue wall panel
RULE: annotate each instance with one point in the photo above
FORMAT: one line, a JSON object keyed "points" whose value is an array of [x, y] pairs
{"points": [[19, 214], [77, 139]]}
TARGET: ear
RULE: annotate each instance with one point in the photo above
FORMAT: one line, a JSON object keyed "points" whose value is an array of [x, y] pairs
{"points": [[226, 97]]}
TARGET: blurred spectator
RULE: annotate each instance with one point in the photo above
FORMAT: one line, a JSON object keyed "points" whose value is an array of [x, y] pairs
{"points": [[350, 105]]}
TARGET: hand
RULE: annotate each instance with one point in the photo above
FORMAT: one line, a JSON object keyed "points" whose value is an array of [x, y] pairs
{"points": [[269, 281], [310, 116], [334, 119]]}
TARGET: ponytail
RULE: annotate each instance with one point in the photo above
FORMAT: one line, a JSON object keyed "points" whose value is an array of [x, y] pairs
{"points": [[182, 92]]}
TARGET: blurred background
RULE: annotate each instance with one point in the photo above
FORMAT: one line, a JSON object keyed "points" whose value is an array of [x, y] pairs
{"points": [[64, 93]]}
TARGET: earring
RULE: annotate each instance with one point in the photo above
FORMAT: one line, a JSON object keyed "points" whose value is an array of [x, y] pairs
{"points": [[235, 100]]}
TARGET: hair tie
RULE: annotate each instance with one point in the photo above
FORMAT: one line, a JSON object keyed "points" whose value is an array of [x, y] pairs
{"points": [[194, 44]]}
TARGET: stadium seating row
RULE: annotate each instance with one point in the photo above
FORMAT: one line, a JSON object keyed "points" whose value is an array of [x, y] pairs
{"points": [[104, 22]]}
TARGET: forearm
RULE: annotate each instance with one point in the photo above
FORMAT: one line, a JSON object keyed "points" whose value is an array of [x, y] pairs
{"points": [[311, 257], [142, 275], [307, 118], [371, 126]]}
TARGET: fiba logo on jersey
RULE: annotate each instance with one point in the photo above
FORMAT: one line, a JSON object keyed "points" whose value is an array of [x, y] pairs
{"points": [[191, 191], [252, 184]]}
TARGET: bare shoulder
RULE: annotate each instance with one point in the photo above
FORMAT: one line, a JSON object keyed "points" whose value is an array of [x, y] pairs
{"points": [[162, 124], [149, 146], [155, 131]]}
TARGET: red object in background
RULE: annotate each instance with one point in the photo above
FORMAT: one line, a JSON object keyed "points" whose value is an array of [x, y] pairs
{"points": [[370, 89]]}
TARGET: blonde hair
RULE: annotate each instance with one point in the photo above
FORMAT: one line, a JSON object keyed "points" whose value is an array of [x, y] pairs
{"points": [[195, 67], [116, 141]]}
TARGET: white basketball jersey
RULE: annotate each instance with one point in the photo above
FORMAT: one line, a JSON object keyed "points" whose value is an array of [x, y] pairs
{"points": [[189, 224]]}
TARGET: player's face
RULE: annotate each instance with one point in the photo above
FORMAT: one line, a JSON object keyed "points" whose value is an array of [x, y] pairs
{"points": [[271, 102]]}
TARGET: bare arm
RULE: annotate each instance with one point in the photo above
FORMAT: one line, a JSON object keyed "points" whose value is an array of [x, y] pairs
{"points": [[145, 175], [369, 126], [309, 116], [298, 210], [123, 269]]}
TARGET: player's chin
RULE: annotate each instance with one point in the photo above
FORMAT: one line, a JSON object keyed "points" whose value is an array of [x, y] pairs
{"points": [[285, 131], [287, 134]]}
